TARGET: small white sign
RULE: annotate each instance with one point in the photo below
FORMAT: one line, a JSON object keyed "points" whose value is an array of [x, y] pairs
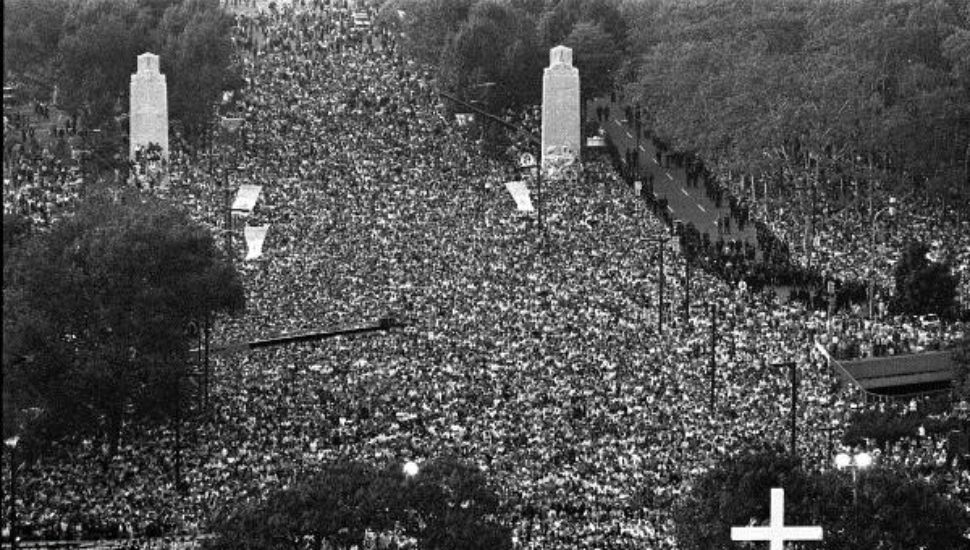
{"points": [[526, 160]]}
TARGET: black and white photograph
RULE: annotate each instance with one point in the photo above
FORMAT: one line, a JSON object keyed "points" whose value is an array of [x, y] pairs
{"points": [[486, 275]]}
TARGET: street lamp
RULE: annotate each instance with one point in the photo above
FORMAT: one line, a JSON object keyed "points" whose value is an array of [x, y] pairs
{"points": [[411, 468], [793, 374], [872, 249], [856, 462], [11, 443], [661, 242]]}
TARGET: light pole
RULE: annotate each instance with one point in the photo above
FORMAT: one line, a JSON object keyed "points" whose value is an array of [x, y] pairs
{"points": [[713, 367], [872, 249], [793, 374], [859, 461], [686, 286], [661, 243], [11, 443], [637, 150], [521, 131], [178, 433]]}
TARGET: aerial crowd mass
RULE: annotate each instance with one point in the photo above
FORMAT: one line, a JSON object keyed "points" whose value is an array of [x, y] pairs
{"points": [[535, 354]]}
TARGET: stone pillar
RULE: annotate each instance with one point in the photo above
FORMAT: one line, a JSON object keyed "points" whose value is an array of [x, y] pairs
{"points": [[149, 106], [560, 104]]}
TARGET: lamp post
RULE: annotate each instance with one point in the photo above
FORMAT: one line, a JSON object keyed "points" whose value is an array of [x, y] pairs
{"points": [[686, 287], [661, 243], [793, 374], [178, 433], [891, 209], [713, 367], [11, 443], [637, 150], [856, 462], [521, 131]]}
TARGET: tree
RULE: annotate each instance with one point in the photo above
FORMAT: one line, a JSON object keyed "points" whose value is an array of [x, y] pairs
{"points": [[447, 505], [807, 86], [426, 25], [16, 228], [884, 509], [196, 53], [923, 286], [32, 31], [96, 312], [455, 508], [736, 492], [558, 22], [89, 50], [596, 55], [495, 44], [95, 59]]}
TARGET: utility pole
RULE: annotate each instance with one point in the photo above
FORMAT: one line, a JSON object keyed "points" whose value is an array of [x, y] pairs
{"points": [[793, 375], [178, 433], [205, 384], [660, 311], [532, 139], [13, 493], [794, 406], [713, 349], [637, 150], [686, 288], [539, 189], [228, 198]]}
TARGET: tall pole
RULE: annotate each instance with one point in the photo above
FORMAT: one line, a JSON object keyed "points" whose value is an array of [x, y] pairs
{"points": [[794, 405], [13, 497], [228, 197], [687, 290], [178, 433], [660, 311], [208, 332], [713, 347], [637, 150], [539, 189]]}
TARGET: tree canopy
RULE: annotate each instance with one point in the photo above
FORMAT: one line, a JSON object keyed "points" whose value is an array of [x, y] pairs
{"points": [[88, 49], [96, 312], [506, 43], [924, 286], [752, 85], [882, 509], [447, 505]]}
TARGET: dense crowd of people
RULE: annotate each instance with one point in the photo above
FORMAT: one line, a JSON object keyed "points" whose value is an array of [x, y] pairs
{"points": [[535, 353], [40, 178]]}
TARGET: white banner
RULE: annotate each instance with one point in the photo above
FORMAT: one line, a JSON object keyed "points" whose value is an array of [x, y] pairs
{"points": [[824, 352], [246, 198], [521, 195], [255, 235]]}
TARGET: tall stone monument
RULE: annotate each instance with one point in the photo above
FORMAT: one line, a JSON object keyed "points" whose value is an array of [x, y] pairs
{"points": [[149, 106], [560, 105]]}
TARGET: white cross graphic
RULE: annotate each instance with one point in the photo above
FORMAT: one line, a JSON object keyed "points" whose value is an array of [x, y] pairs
{"points": [[776, 532]]}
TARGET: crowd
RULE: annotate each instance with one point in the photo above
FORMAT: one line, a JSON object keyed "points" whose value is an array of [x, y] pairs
{"points": [[40, 179], [534, 353]]}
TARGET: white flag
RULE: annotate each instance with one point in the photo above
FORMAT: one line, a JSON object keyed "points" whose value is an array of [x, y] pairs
{"points": [[246, 198], [255, 235], [521, 195]]}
